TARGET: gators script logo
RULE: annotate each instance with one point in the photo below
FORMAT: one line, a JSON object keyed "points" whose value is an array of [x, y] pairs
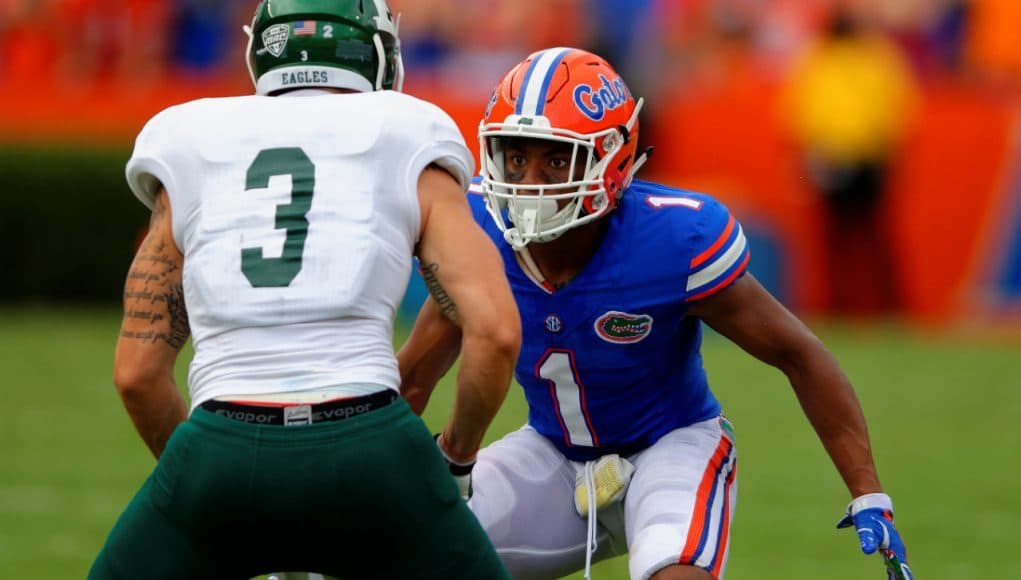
{"points": [[594, 102], [623, 328]]}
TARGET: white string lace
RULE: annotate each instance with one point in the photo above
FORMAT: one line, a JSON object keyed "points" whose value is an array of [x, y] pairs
{"points": [[592, 542]]}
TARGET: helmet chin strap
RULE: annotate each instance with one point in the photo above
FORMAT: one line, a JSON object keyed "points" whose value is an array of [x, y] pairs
{"points": [[399, 81], [637, 165], [381, 55], [532, 217], [248, 52], [513, 237]]}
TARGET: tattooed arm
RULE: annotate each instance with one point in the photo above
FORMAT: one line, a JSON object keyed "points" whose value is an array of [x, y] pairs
{"points": [[427, 354], [155, 328], [433, 345], [464, 274]]}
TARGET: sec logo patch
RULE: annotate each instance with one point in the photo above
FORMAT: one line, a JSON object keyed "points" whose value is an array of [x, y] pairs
{"points": [[553, 324]]}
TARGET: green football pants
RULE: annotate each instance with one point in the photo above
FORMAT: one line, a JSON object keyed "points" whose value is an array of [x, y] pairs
{"points": [[365, 497]]}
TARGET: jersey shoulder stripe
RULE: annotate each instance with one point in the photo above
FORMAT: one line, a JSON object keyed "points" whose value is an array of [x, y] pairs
{"points": [[720, 274], [708, 253], [476, 185], [480, 211], [720, 252]]}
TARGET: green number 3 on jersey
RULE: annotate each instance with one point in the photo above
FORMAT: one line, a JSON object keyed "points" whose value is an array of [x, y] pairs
{"points": [[265, 272]]}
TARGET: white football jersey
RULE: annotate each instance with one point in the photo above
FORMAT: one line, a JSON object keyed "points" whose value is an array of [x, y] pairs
{"points": [[297, 218]]}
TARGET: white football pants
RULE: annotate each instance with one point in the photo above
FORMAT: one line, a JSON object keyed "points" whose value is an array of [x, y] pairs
{"points": [[678, 507]]}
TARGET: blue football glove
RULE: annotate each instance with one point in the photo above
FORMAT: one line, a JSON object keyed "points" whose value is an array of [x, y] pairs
{"points": [[462, 472], [872, 517]]}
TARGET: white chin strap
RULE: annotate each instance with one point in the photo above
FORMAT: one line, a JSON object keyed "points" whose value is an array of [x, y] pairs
{"points": [[536, 219], [592, 541], [248, 51]]}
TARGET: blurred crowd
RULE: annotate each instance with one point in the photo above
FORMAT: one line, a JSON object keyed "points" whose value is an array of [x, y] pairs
{"points": [[94, 42], [841, 81], [450, 41]]}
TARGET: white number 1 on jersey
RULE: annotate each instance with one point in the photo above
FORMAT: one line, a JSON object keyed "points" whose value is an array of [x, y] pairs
{"points": [[558, 368]]}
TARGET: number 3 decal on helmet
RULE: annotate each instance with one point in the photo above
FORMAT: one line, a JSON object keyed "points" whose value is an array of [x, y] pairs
{"points": [[569, 96], [345, 44]]}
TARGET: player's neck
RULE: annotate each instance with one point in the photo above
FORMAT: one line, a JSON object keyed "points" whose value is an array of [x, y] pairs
{"points": [[560, 260]]}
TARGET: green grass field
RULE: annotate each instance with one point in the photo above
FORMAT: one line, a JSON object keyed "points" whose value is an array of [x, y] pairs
{"points": [[944, 415]]}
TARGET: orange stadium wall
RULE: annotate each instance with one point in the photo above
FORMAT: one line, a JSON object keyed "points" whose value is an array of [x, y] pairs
{"points": [[950, 188]]}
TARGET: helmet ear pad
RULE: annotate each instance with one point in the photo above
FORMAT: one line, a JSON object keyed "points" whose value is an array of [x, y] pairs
{"points": [[595, 204], [621, 148]]}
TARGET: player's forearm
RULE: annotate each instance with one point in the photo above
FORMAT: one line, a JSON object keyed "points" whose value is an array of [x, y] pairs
{"points": [[487, 364], [427, 355], [830, 403], [155, 407]]}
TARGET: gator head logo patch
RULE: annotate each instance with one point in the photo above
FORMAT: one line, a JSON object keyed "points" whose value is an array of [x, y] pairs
{"points": [[623, 328]]}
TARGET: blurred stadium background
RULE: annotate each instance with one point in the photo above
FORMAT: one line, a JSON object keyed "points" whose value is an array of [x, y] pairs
{"points": [[924, 308]]}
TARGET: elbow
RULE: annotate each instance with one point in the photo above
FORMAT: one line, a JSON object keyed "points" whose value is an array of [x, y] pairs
{"points": [[135, 381], [497, 343], [138, 368], [416, 396], [491, 339], [505, 339], [130, 382], [130, 385], [805, 359]]}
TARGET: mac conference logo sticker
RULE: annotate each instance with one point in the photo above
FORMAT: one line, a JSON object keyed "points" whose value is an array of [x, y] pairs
{"points": [[623, 328], [274, 38]]}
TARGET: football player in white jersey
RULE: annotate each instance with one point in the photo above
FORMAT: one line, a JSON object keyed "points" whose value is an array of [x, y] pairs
{"points": [[626, 448], [283, 231]]}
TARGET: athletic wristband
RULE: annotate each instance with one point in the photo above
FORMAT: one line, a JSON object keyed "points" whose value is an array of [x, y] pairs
{"points": [[870, 501], [456, 467]]}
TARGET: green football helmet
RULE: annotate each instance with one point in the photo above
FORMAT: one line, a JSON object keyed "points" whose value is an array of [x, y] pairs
{"points": [[346, 44]]}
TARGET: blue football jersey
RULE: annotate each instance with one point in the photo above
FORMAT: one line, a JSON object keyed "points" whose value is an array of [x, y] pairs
{"points": [[610, 362]]}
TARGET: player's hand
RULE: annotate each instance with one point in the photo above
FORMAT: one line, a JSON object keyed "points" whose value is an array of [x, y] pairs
{"points": [[461, 471], [872, 517]]}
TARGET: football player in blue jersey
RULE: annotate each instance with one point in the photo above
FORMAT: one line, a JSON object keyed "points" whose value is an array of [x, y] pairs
{"points": [[626, 448]]}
